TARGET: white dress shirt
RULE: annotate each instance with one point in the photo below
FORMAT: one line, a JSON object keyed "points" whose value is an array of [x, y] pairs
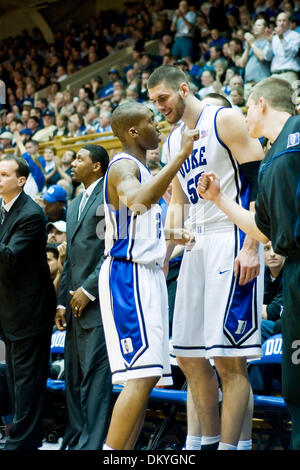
{"points": [[284, 52]]}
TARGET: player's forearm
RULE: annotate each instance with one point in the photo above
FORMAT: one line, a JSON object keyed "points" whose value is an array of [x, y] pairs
{"points": [[241, 217], [250, 243], [153, 190]]}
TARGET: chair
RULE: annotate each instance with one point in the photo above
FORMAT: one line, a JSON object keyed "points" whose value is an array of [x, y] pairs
{"points": [[55, 415]]}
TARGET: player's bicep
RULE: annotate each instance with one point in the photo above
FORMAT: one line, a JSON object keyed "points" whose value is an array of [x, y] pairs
{"points": [[123, 183]]}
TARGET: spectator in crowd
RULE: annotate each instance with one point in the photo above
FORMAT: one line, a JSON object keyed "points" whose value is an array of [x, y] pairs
{"points": [[236, 98], [283, 50], [256, 67], [56, 231], [92, 119], [51, 163], [36, 178], [87, 374], [27, 304], [76, 125], [107, 91], [208, 79], [56, 254], [104, 124], [55, 200], [183, 27], [235, 50], [68, 106], [6, 140], [33, 125], [61, 121], [47, 132], [273, 294], [2, 92], [52, 259], [235, 81], [65, 167]]}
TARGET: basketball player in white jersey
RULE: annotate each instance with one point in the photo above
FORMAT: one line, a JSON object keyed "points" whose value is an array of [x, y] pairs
{"points": [[216, 314], [132, 286]]}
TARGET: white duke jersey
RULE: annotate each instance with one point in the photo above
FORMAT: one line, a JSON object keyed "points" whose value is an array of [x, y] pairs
{"points": [[209, 154], [131, 237]]}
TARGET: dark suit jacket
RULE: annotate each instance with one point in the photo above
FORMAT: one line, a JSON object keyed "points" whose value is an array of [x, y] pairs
{"points": [[84, 255], [27, 296]]}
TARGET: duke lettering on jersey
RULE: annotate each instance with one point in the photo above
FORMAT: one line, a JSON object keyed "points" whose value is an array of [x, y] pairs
{"points": [[209, 154], [195, 160]]}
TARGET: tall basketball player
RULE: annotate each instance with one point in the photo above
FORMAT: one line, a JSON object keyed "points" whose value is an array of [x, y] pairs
{"points": [[217, 306]]}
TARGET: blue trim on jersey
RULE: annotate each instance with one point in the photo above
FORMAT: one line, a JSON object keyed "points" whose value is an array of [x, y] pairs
{"points": [[127, 309], [108, 168], [205, 106], [242, 185], [264, 166], [123, 245], [233, 162]]}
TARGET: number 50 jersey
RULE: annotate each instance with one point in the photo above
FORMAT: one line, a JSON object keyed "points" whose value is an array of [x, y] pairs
{"points": [[132, 237], [209, 154]]}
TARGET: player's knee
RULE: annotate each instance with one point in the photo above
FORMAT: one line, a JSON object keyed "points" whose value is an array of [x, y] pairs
{"points": [[143, 385], [230, 369]]}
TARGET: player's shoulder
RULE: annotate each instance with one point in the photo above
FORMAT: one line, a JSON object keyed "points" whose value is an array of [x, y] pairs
{"points": [[122, 164], [231, 122]]}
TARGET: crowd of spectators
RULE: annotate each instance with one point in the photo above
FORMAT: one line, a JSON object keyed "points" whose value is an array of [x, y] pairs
{"points": [[218, 40]]}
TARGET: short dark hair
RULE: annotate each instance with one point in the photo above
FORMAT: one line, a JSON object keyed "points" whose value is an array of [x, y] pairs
{"points": [[32, 141], [98, 154], [23, 167], [218, 97], [52, 248]]}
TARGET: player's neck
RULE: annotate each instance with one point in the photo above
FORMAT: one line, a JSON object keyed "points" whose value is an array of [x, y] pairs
{"points": [[274, 124], [136, 152], [192, 112]]}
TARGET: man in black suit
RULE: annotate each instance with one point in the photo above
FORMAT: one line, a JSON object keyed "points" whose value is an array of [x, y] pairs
{"points": [[87, 371], [27, 305]]}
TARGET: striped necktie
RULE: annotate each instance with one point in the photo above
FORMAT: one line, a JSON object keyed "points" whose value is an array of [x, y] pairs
{"points": [[3, 214], [82, 203]]}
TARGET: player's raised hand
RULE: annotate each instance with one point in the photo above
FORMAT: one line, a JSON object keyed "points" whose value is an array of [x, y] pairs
{"points": [[188, 138], [182, 236], [209, 186]]}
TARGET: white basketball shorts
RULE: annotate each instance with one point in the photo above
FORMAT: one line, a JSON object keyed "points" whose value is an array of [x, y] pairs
{"points": [[213, 314], [134, 308]]}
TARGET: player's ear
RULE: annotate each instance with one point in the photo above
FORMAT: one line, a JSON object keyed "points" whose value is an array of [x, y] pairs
{"points": [[262, 103], [133, 132], [183, 89]]}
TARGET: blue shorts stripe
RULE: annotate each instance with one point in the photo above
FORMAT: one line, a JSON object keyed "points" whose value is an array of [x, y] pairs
{"points": [[128, 315]]}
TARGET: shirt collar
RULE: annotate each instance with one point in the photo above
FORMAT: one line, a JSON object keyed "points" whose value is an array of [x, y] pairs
{"points": [[92, 186], [9, 205]]}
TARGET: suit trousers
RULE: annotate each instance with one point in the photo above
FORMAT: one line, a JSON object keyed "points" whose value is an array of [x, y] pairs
{"points": [[27, 371], [88, 387]]}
